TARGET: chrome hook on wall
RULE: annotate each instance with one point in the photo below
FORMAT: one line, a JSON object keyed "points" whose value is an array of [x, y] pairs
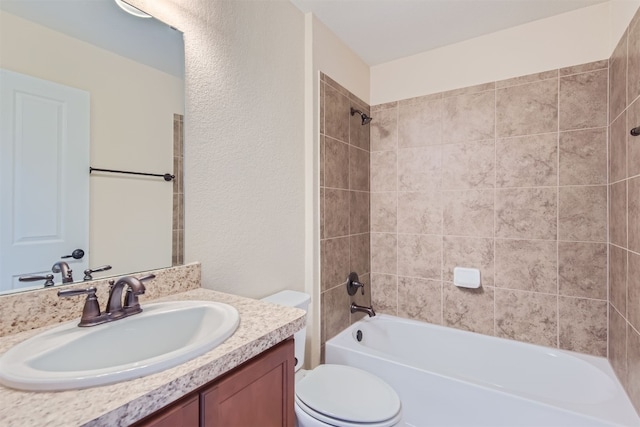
{"points": [[635, 131]]}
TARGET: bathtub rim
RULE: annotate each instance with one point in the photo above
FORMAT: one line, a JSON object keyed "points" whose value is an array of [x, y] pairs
{"points": [[617, 410]]}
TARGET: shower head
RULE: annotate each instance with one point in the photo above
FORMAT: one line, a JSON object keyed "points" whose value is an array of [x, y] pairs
{"points": [[365, 119]]}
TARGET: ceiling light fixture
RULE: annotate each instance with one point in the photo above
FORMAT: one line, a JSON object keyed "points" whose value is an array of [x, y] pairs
{"points": [[132, 9]]}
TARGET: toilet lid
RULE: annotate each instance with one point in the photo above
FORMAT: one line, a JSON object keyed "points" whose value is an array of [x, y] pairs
{"points": [[347, 393]]}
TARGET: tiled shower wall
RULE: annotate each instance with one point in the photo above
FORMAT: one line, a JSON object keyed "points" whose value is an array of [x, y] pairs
{"points": [[624, 211], [344, 204], [509, 177]]}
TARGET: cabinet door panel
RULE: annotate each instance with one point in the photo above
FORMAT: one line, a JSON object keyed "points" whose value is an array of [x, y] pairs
{"points": [[182, 414], [258, 394]]}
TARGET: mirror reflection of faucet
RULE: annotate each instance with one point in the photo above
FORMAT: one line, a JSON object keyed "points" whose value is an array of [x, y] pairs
{"points": [[63, 268], [116, 307], [89, 271], [48, 278]]}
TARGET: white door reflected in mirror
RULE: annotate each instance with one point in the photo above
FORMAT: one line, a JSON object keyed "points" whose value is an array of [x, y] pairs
{"points": [[45, 149]]}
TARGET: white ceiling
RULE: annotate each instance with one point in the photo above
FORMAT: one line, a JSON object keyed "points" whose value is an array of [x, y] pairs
{"points": [[383, 30], [104, 24]]}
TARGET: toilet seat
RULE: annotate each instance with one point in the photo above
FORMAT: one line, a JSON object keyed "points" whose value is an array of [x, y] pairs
{"points": [[347, 396]]}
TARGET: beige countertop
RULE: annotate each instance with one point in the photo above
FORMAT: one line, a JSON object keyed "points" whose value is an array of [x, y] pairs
{"points": [[262, 325]]}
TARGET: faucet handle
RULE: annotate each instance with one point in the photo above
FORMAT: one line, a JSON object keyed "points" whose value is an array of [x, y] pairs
{"points": [[91, 311], [48, 278], [89, 271], [353, 283], [131, 297], [74, 292], [147, 277]]}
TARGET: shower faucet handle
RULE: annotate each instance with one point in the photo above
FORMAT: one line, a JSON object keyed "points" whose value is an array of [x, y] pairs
{"points": [[353, 283]]}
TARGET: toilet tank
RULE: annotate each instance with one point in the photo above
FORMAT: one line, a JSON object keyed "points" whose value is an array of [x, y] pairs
{"points": [[298, 300]]}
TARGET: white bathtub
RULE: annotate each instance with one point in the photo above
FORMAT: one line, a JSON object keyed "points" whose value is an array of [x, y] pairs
{"points": [[448, 377]]}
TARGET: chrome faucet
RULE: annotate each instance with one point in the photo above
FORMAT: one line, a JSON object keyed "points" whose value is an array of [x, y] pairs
{"points": [[63, 267], [369, 310], [116, 308]]}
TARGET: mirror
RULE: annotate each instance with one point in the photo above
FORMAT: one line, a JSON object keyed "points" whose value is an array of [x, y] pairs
{"points": [[129, 72]]}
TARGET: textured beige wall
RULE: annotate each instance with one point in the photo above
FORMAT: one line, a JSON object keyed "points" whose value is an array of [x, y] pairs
{"points": [[624, 211], [563, 40], [244, 141]]}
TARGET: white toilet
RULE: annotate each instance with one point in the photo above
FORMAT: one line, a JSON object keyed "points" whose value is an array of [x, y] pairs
{"points": [[337, 395]]}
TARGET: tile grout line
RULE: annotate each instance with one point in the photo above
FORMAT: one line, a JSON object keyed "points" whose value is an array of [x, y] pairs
{"points": [[558, 219]]}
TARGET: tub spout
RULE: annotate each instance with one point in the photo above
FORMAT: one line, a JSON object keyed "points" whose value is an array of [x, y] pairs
{"points": [[369, 310]]}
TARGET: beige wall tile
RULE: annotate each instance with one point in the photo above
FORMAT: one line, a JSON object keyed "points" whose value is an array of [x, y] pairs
{"points": [[633, 367], [384, 253], [528, 265], [360, 254], [420, 123], [528, 161], [420, 169], [384, 293], [420, 212], [583, 325], [468, 309], [359, 209], [336, 164], [420, 256], [483, 87], [336, 212], [334, 262], [633, 198], [582, 213], [358, 169], [583, 100], [527, 316], [582, 269], [322, 236], [618, 344], [384, 211], [468, 165], [529, 78], [335, 311], [526, 213], [618, 278], [633, 290], [633, 142], [583, 157], [420, 299], [618, 149], [618, 214], [633, 70], [583, 68], [468, 213], [322, 160], [469, 117], [384, 130], [618, 79], [470, 252], [384, 171], [336, 114], [322, 114], [527, 109], [359, 133], [337, 86], [385, 106]]}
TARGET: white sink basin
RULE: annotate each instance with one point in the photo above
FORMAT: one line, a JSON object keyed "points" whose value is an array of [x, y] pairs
{"points": [[162, 336]]}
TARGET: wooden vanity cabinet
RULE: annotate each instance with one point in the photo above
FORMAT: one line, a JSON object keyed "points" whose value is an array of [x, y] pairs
{"points": [[257, 393]]}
